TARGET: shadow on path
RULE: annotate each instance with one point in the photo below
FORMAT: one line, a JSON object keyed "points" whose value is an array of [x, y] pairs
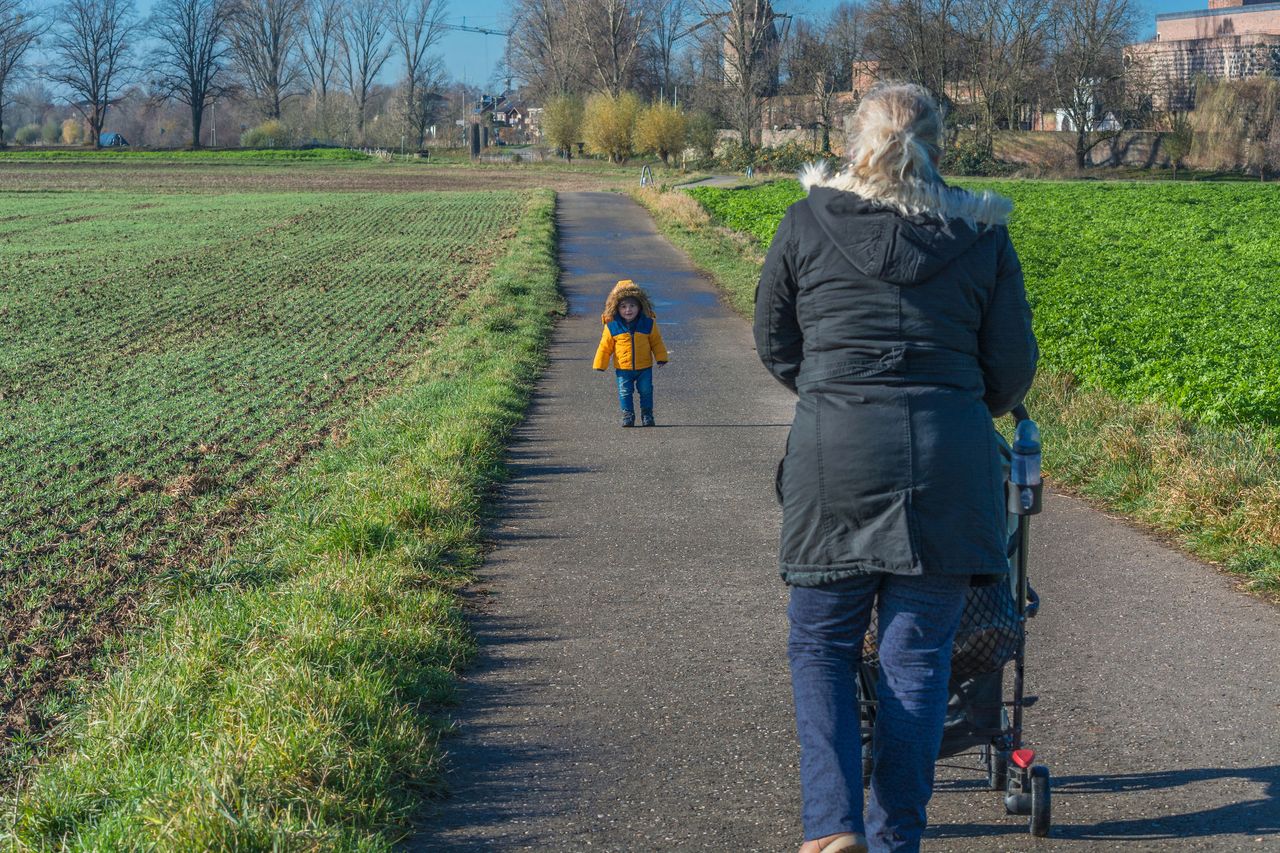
{"points": [[1257, 816]]}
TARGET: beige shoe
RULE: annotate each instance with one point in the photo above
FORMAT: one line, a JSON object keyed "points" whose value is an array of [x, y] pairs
{"points": [[850, 843]]}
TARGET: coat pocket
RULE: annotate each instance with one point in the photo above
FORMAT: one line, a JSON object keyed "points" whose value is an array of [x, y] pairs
{"points": [[867, 478], [878, 532]]}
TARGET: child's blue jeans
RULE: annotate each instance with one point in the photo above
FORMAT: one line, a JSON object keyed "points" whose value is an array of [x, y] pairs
{"points": [[637, 380], [919, 616]]}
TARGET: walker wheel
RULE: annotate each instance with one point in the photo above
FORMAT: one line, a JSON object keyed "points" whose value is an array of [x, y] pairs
{"points": [[997, 764], [1040, 818]]}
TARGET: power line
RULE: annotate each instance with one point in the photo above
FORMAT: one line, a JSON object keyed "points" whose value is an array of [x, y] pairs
{"points": [[482, 30]]}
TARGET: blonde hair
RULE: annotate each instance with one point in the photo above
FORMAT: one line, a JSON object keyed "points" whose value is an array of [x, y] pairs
{"points": [[896, 135], [894, 145]]}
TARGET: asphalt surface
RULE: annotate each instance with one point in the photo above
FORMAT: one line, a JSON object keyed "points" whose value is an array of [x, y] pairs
{"points": [[632, 690]]}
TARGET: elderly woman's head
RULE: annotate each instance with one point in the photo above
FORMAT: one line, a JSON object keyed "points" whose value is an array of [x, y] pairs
{"points": [[896, 135]]}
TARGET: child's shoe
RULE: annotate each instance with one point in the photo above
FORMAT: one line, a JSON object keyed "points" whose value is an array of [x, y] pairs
{"points": [[628, 420], [646, 419]]}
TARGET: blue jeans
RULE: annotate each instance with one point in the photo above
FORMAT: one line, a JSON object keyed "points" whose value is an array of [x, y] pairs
{"points": [[639, 380], [918, 621]]}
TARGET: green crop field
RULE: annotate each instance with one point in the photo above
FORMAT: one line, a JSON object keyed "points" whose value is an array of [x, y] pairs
{"points": [[1163, 292], [164, 357]]}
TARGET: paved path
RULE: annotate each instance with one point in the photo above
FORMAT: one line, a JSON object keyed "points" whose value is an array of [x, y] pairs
{"points": [[632, 691]]}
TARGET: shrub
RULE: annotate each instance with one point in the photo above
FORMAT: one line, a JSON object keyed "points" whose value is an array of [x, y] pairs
{"points": [[788, 157], [27, 134], [610, 124], [969, 157], [272, 133], [562, 122], [1178, 139], [72, 132], [51, 132], [733, 155], [701, 133], [661, 129]]}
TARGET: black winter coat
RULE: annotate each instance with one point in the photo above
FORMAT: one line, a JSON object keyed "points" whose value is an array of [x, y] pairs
{"points": [[903, 337]]}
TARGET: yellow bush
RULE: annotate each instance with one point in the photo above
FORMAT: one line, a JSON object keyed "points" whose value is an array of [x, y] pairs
{"points": [[562, 122], [72, 132], [272, 133], [610, 124], [661, 130]]}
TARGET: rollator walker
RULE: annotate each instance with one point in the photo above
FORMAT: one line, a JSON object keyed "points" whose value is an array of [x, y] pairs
{"points": [[981, 722]]}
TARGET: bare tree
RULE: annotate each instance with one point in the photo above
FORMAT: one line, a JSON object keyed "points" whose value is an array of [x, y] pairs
{"points": [[815, 72], [746, 32], [916, 40], [668, 27], [540, 49], [191, 48], [20, 29], [416, 26], [1003, 41], [609, 32], [321, 23], [1237, 124], [701, 71], [363, 43], [264, 39], [429, 103], [1087, 38], [91, 45], [846, 32]]}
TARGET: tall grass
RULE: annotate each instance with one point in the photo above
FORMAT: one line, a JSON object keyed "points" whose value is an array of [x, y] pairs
{"points": [[286, 699]]}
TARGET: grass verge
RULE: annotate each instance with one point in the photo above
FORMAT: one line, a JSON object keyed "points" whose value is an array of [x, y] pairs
{"points": [[285, 698], [1214, 488]]}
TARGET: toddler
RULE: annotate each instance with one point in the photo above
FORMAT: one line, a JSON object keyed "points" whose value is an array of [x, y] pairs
{"points": [[632, 338]]}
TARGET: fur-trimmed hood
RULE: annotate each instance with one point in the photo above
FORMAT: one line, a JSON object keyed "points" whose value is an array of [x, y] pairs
{"points": [[914, 197], [623, 290]]}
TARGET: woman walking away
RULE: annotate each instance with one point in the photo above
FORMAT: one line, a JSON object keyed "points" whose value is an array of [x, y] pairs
{"points": [[893, 305]]}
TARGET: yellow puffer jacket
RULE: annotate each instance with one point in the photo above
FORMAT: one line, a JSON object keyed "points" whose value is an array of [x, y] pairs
{"points": [[633, 346]]}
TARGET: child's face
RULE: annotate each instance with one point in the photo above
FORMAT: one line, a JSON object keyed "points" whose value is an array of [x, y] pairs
{"points": [[629, 308]]}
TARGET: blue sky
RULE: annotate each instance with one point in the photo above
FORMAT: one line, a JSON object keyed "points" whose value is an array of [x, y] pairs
{"points": [[472, 56]]}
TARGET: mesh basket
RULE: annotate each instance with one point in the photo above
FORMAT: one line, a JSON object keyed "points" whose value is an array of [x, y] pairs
{"points": [[990, 629], [988, 636]]}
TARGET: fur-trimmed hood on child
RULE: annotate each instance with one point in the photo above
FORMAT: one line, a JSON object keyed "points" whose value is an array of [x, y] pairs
{"points": [[626, 289]]}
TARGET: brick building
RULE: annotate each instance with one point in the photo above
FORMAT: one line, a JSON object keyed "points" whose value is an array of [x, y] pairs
{"points": [[1232, 39]]}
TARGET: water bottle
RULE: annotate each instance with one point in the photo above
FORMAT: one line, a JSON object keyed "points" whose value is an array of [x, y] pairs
{"points": [[1025, 473]]}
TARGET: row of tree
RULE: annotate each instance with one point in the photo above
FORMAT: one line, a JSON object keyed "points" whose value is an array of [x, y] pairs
{"points": [[992, 62], [618, 126], [196, 52]]}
